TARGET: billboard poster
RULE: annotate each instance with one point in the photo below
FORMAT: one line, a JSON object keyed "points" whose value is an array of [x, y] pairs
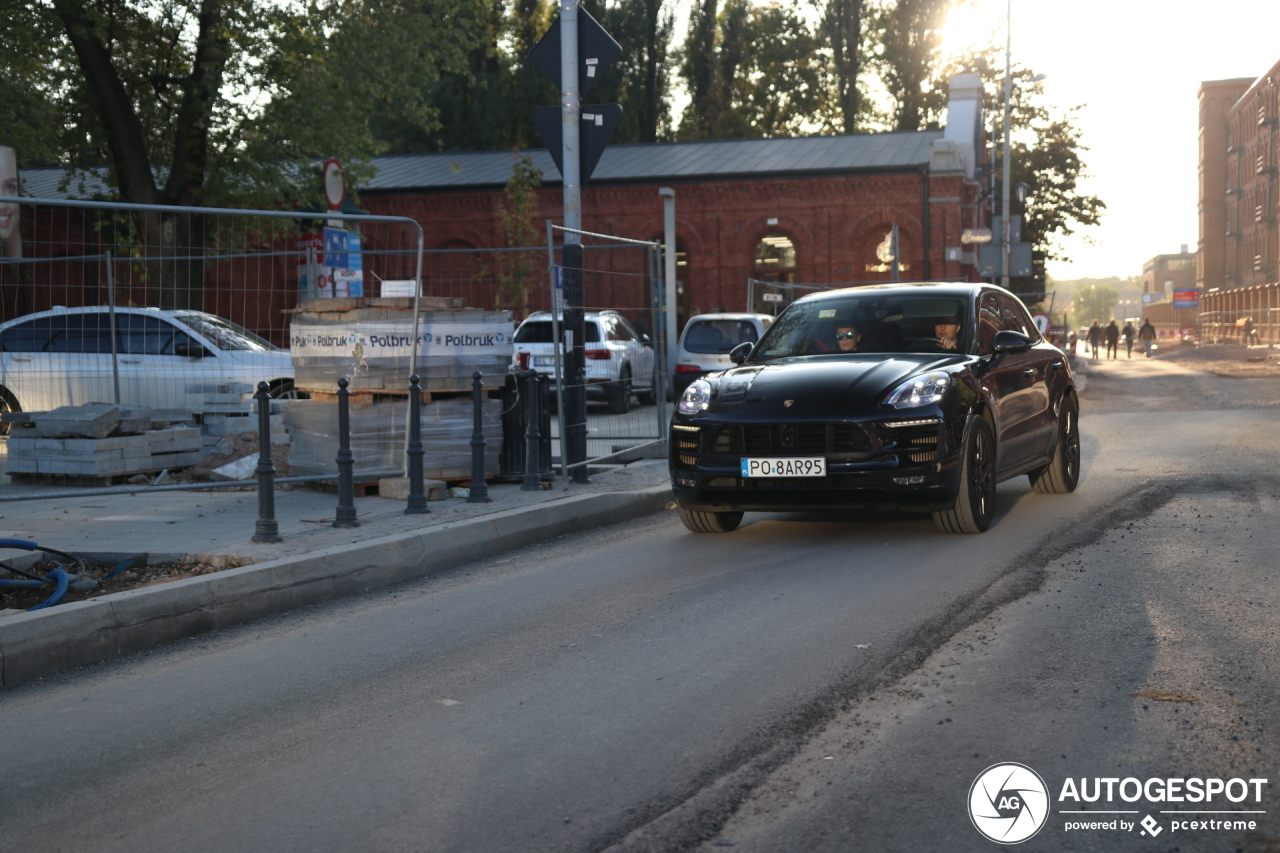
{"points": [[10, 230], [337, 264], [1186, 299]]}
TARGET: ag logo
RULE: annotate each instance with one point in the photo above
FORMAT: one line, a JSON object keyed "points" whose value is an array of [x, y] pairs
{"points": [[1008, 803]]}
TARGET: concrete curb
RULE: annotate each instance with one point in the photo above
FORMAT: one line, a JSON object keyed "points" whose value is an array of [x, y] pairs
{"points": [[83, 632]]}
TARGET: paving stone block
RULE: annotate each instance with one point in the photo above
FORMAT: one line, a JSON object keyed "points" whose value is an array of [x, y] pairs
{"points": [[93, 420]]}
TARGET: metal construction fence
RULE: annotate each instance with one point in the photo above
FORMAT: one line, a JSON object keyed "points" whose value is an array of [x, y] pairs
{"points": [[1245, 315], [625, 376], [187, 310]]}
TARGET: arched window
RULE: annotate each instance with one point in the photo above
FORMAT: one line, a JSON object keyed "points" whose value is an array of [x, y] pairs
{"points": [[682, 279], [776, 259]]}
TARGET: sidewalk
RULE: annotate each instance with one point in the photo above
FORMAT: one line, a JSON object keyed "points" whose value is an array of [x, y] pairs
{"points": [[314, 563]]}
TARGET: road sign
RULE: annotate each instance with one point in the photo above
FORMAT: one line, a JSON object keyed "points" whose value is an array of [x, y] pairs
{"points": [[771, 297], [335, 183], [597, 125], [596, 52], [1186, 299], [1042, 322]]}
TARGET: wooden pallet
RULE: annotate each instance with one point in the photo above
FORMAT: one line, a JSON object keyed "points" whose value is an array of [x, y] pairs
{"points": [[382, 395]]}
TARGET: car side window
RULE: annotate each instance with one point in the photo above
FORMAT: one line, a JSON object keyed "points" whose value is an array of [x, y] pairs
{"points": [[31, 336], [989, 322], [1016, 318], [81, 333], [623, 331], [139, 334]]}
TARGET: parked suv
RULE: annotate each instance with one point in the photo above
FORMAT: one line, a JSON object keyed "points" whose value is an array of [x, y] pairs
{"points": [[620, 362], [704, 346], [164, 359]]}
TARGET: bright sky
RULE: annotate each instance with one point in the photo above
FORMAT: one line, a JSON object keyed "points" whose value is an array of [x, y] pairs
{"points": [[1135, 66]]}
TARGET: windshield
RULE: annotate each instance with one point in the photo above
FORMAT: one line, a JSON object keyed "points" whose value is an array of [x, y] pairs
{"points": [[224, 334], [717, 336], [871, 322], [541, 332]]}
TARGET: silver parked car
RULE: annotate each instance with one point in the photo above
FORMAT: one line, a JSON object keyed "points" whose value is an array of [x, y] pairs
{"points": [[704, 346], [620, 361], [164, 359]]}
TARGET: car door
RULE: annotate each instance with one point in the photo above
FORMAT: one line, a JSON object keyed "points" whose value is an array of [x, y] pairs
{"points": [[639, 355], [1003, 379], [1027, 403], [34, 376], [153, 374]]}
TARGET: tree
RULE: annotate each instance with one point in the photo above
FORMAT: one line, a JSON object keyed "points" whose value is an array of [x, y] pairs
{"points": [[223, 102], [767, 75], [1093, 302], [1046, 153], [515, 216], [639, 80], [843, 27], [911, 38]]}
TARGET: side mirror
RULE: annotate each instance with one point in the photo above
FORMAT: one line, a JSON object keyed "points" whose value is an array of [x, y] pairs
{"points": [[741, 352], [192, 350], [646, 340], [1008, 340]]}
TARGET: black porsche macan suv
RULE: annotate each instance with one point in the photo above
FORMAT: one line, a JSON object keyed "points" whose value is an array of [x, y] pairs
{"points": [[906, 396]]}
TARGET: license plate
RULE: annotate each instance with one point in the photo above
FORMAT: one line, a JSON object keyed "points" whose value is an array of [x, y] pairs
{"points": [[787, 466], [544, 360]]}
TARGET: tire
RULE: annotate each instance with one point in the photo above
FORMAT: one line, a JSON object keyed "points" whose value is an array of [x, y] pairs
{"points": [[8, 403], [647, 398], [618, 393], [282, 389], [975, 504], [1061, 475], [710, 522]]}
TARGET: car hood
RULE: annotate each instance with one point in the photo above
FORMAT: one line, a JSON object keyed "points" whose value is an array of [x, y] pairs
{"points": [[818, 388]]}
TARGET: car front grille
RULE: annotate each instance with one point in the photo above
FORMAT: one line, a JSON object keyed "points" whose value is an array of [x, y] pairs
{"points": [[803, 439]]}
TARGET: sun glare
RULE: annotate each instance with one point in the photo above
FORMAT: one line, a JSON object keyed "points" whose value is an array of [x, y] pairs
{"points": [[969, 25]]}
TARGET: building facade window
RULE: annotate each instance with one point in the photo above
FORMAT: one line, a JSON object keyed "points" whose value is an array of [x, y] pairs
{"points": [[776, 259]]}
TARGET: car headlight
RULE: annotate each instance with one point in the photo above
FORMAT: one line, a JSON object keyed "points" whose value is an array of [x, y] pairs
{"points": [[920, 390], [697, 397]]}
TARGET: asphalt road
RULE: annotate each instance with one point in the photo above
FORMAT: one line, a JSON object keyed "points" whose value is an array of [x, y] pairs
{"points": [[645, 688]]}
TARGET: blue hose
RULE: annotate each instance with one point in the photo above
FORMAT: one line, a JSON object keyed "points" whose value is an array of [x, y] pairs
{"points": [[24, 583], [62, 580]]}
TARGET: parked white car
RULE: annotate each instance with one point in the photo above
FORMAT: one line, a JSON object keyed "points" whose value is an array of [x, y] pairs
{"points": [[620, 361], [705, 343], [165, 359]]}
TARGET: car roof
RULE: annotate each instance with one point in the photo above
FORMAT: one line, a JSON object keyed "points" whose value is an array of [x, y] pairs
{"points": [[948, 288], [546, 315], [731, 315], [59, 311]]}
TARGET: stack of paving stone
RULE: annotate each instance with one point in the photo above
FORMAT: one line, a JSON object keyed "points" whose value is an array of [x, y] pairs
{"points": [[99, 441]]}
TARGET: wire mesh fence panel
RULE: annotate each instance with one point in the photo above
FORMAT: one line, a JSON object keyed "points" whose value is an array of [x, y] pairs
{"points": [[183, 313], [624, 376]]}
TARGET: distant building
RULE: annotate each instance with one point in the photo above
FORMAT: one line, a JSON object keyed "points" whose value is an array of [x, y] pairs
{"points": [[1239, 137]]}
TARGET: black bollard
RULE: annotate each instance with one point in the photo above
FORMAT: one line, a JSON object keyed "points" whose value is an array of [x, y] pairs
{"points": [[579, 432], [266, 529], [345, 515], [417, 504], [479, 488], [532, 456]]}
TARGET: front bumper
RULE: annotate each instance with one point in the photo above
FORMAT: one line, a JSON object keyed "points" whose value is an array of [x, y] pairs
{"points": [[882, 463]]}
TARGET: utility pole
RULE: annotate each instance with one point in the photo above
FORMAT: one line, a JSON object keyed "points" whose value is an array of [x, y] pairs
{"points": [[575, 449], [669, 274], [1005, 220]]}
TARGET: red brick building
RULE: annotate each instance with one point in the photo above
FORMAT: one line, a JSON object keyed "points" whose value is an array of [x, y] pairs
{"points": [[1239, 136], [807, 210]]}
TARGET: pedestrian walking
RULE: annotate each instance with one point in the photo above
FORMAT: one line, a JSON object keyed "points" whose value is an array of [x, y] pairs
{"points": [[1113, 338], [1249, 331], [1095, 339], [1128, 333], [1147, 334]]}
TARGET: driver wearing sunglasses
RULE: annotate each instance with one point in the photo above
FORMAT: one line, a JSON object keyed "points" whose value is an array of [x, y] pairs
{"points": [[847, 338]]}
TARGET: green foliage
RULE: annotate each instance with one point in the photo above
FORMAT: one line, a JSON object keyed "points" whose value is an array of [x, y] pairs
{"points": [[515, 215], [220, 102], [908, 56], [1046, 154], [1093, 302], [760, 74]]}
